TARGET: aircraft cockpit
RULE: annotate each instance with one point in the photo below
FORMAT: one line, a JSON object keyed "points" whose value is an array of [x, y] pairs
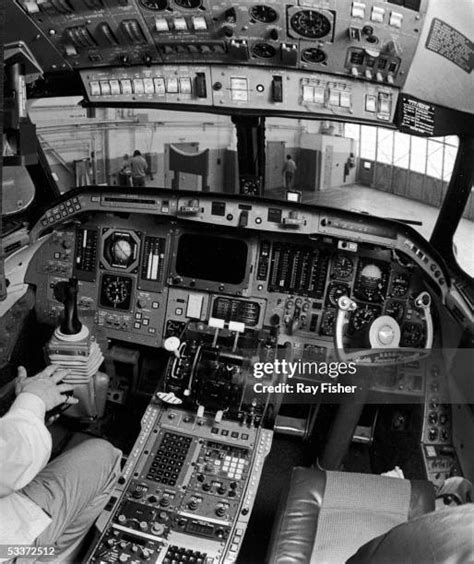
{"points": [[245, 230]]}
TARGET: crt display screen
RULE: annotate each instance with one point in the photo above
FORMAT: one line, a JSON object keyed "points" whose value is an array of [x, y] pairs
{"points": [[207, 257]]}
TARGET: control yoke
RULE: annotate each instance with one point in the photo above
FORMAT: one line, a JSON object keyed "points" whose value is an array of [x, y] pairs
{"points": [[384, 336]]}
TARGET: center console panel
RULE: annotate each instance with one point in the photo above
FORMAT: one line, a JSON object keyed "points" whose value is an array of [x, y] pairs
{"points": [[186, 492]]}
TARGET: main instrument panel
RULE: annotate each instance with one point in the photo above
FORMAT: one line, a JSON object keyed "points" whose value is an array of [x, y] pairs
{"points": [[148, 267]]}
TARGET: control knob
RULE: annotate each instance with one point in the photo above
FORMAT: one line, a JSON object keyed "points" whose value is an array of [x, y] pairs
{"points": [[158, 529], [220, 510]]}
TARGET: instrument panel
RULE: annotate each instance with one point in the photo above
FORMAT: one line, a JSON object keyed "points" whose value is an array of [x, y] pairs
{"points": [[369, 40], [146, 276]]}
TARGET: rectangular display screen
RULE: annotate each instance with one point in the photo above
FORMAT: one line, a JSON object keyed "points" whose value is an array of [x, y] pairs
{"points": [[207, 257]]}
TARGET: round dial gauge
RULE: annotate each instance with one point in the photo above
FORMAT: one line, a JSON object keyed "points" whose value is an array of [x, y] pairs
{"points": [[116, 292], [336, 290], [310, 24], [412, 335], [363, 317], [188, 4], [121, 251], [371, 283], [156, 5], [264, 50], [313, 55], [400, 284], [342, 267], [328, 323], [395, 309], [264, 14]]}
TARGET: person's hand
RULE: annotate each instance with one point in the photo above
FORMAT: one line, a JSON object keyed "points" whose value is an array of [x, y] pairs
{"points": [[46, 385]]}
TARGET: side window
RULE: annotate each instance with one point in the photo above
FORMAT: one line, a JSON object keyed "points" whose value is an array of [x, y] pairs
{"points": [[464, 237]]}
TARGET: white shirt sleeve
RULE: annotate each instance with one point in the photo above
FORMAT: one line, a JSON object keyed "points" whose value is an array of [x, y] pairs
{"points": [[25, 443]]}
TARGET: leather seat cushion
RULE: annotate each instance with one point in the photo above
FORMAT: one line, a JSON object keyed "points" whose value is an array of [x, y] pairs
{"points": [[327, 516]]}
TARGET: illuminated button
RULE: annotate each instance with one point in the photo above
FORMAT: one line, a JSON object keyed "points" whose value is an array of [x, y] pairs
{"points": [[345, 99], [161, 24], [148, 86], [178, 311], [180, 24], [126, 86], [146, 322], [239, 89], [377, 14], [105, 88], [172, 85], [138, 86], [94, 88], [308, 93], [199, 23], [151, 330], [159, 86], [396, 19], [114, 87], [334, 98], [185, 85], [318, 95], [358, 10], [370, 103], [384, 103]]}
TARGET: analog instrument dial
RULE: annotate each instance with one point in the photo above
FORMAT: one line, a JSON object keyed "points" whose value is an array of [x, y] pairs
{"points": [[328, 323], [121, 251], [342, 267], [313, 55], [371, 283], [264, 50], [395, 309], [310, 24], [400, 285], [335, 291], [116, 292], [363, 317], [263, 14], [412, 335]]}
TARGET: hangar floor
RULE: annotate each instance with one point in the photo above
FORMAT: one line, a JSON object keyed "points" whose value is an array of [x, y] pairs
{"points": [[363, 199]]}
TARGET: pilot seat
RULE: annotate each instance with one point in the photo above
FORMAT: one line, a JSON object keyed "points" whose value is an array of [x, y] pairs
{"points": [[325, 517]]}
